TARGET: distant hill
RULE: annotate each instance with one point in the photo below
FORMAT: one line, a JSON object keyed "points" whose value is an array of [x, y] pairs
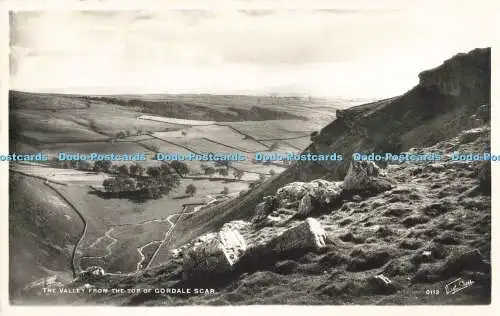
{"points": [[223, 108]]}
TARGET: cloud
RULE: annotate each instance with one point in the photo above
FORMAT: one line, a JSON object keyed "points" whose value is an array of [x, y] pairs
{"points": [[365, 51]]}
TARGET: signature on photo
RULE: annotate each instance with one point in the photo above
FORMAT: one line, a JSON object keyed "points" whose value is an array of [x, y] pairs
{"points": [[457, 285]]}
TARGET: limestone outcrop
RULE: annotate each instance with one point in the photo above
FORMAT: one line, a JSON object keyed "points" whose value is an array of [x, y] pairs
{"points": [[92, 273], [366, 176], [319, 190], [263, 209], [308, 235], [215, 254]]}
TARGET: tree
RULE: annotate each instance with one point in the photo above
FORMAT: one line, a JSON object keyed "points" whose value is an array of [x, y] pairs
{"points": [[102, 165], [203, 166], [55, 162], [209, 171], [180, 167], [225, 191], [109, 184], [113, 169], [272, 172], [153, 172], [274, 146], [184, 133], [128, 184], [191, 189], [92, 125], [238, 174], [84, 165], [223, 172], [127, 133], [120, 135], [123, 170], [136, 170], [223, 163]]}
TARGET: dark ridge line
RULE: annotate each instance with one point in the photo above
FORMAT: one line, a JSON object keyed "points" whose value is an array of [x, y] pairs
{"points": [[289, 138], [108, 140], [232, 167], [179, 124], [261, 140], [37, 177], [194, 152], [232, 147], [90, 128], [73, 255], [241, 133], [153, 256]]}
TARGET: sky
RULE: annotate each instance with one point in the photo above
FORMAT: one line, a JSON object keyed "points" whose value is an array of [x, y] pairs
{"points": [[374, 51]]}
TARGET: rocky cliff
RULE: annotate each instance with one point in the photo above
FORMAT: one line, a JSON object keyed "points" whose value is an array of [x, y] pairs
{"points": [[448, 99]]}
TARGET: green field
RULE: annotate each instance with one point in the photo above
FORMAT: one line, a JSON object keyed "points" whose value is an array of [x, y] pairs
{"points": [[121, 234]]}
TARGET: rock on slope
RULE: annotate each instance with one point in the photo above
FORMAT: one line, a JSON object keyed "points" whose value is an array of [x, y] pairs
{"points": [[429, 227], [448, 99]]}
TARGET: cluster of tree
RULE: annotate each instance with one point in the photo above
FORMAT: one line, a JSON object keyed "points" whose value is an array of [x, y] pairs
{"points": [[71, 164], [157, 181], [221, 167], [134, 170], [128, 133]]}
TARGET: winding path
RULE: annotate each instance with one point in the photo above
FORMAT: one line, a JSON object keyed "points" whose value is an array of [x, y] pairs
{"points": [[76, 264]]}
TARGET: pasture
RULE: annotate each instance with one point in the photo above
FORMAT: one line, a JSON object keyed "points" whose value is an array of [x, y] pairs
{"points": [[123, 234]]}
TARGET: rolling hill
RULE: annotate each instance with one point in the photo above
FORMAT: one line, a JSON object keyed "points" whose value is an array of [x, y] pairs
{"points": [[420, 225]]}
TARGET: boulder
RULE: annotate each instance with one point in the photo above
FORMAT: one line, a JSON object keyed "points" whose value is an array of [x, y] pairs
{"points": [[484, 113], [365, 176], [320, 190], [92, 273], [281, 216], [308, 235], [305, 205], [471, 135], [264, 208], [217, 254], [237, 225], [382, 285]]}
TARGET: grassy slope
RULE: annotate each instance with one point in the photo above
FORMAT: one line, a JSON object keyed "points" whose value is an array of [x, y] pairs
{"points": [[433, 208], [43, 232], [420, 117]]}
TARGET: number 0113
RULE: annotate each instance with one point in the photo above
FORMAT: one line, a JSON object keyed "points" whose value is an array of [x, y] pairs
{"points": [[432, 292]]}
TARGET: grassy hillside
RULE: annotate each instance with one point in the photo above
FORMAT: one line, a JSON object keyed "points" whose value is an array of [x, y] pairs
{"points": [[421, 117], [43, 232]]}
